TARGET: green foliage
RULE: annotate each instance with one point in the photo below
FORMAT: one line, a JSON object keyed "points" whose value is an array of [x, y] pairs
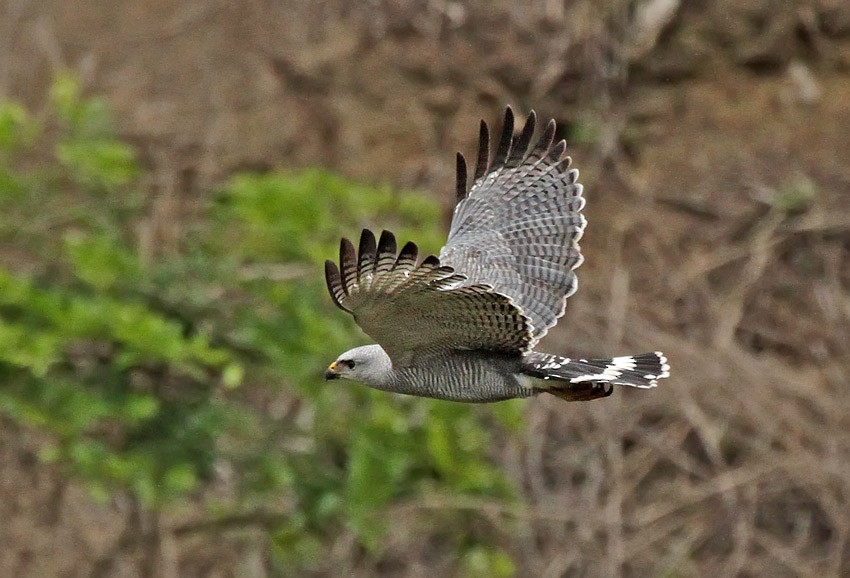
{"points": [[146, 375], [15, 126], [87, 151]]}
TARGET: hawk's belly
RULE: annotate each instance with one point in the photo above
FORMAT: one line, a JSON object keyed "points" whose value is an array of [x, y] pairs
{"points": [[468, 376]]}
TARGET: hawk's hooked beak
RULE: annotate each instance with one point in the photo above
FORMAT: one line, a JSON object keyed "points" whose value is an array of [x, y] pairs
{"points": [[330, 372]]}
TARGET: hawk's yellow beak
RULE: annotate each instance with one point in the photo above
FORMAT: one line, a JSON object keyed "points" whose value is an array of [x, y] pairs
{"points": [[330, 372]]}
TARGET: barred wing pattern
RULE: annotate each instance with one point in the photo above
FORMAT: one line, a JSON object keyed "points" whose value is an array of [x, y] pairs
{"points": [[517, 229], [420, 309]]}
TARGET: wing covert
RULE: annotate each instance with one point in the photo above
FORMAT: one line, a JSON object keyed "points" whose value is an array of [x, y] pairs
{"points": [[413, 308]]}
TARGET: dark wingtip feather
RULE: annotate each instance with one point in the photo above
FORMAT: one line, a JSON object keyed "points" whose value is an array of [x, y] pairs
{"points": [[386, 244], [519, 146], [347, 263], [367, 242], [334, 282], [386, 255], [558, 150], [346, 248], [460, 183], [331, 275], [410, 252], [366, 252], [431, 261], [482, 164], [504, 149], [548, 136]]}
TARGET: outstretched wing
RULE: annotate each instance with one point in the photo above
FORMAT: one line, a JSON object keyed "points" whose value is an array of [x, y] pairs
{"points": [[412, 309], [517, 229]]}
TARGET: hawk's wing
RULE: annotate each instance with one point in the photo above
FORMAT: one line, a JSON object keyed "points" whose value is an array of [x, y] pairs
{"points": [[411, 308], [517, 229]]}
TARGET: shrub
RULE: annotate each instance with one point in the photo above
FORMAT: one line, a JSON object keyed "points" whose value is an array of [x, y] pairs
{"points": [[152, 378]]}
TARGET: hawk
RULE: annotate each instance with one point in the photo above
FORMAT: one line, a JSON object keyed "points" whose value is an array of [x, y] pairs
{"points": [[463, 326]]}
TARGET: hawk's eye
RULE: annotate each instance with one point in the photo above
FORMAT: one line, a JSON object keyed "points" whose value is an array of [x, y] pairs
{"points": [[349, 363]]}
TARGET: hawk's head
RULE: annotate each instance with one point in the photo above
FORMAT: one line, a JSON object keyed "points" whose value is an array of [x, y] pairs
{"points": [[368, 363]]}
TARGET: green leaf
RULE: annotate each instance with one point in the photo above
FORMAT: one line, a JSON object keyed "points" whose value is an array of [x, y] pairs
{"points": [[100, 164], [16, 126], [139, 407], [65, 94], [29, 348], [101, 261], [232, 375], [180, 479]]}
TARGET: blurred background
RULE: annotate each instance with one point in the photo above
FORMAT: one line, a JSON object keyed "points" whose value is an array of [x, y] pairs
{"points": [[172, 176]]}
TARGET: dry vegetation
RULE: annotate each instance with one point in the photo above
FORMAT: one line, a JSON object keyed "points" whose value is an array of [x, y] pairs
{"points": [[713, 143]]}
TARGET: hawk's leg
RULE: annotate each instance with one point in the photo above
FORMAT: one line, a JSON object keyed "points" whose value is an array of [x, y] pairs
{"points": [[585, 391]]}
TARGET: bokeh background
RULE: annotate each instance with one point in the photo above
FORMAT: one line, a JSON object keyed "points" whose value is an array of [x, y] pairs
{"points": [[172, 176]]}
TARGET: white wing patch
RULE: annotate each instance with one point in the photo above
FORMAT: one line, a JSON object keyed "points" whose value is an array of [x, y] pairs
{"points": [[617, 366]]}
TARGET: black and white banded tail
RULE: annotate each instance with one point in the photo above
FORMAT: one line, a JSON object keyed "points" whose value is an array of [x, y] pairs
{"points": [[641, 371]]}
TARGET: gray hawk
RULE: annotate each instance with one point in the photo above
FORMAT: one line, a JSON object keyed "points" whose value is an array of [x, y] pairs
{"points": [[463, 326]]}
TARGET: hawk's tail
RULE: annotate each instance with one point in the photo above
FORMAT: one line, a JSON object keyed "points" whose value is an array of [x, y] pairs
{"points": [[582, 379]]}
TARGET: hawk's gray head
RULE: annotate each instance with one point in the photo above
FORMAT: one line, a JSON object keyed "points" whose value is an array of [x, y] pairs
{"points": [[369, 364]]}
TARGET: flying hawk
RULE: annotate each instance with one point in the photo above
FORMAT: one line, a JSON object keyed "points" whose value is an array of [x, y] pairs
{"points": [[463, 326]]}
